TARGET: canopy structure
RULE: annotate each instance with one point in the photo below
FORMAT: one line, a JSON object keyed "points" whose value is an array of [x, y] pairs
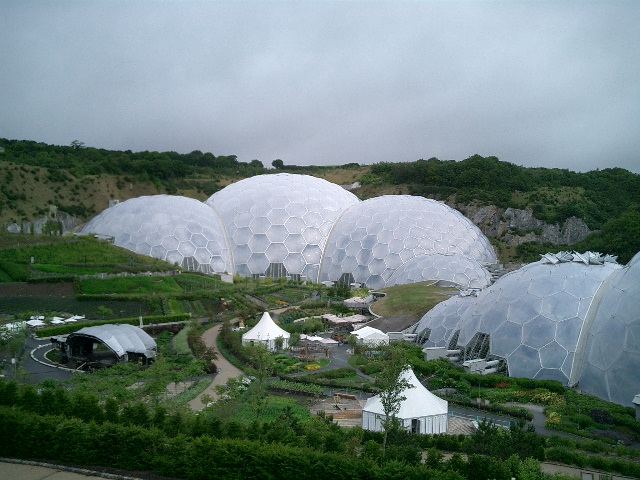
{"points": [[420, 412], [371, 336], [266, 332], [123, 340], [105, 345], [317, 339]]}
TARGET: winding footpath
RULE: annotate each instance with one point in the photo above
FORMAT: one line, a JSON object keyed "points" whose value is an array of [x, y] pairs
{"points": [[226, 370]]}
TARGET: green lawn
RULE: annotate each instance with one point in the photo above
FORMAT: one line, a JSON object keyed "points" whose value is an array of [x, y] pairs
{"points": [[180, 344], [411, 300]]}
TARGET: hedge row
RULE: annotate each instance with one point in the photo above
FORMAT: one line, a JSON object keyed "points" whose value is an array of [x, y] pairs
{"points": [[17, 271], [573, 457], [296, 387], [149, 320], [72, 441]]}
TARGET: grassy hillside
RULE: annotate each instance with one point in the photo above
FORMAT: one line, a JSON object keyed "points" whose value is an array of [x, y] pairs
{"points": [[410, 300], [81, 180], [66, 257]]}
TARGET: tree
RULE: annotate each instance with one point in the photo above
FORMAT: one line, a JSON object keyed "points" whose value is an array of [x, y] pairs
{"points": [[104, 311], [392, 385], [279, 342], [77, 144], [262, 362], [278, 164]]}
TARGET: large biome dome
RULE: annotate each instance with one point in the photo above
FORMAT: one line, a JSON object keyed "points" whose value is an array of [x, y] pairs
{"points": [[374, 238], [179, 230], [278, 224], [532, 318], [611, 355]]}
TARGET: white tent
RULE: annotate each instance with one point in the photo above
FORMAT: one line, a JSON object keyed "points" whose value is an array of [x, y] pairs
{"points": [[371, 336], [266, 332], [420, 412], [35, 322]]}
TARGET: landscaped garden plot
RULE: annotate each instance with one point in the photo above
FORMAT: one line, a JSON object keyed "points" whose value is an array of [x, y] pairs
{"points": [[71, 305], [133, 382], [144, 285], [244, 411]]}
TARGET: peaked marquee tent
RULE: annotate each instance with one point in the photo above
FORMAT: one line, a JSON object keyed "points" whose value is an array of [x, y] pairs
{"points": [[266, 332], [420, 412], [371, 336]]}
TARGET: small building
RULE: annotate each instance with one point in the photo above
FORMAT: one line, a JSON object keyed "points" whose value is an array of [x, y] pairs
{"points": [[420, 412], [636, 403], [359, 303], [106, 345], [370, 336], [343, 324], [266, 332]]}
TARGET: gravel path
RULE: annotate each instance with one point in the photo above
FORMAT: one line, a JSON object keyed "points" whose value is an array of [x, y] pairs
{"points": [[226, 370]]}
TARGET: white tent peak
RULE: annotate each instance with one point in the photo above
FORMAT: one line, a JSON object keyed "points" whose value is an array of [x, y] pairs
{"points": [[418, 402], [266, 330]]}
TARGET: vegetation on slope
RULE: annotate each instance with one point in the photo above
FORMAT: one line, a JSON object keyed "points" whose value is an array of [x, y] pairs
{"points": [[81, 180]]}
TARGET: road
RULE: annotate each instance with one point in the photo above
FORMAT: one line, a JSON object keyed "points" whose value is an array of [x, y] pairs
{"points": [[36, 372], [15, 471], [226, 370]]}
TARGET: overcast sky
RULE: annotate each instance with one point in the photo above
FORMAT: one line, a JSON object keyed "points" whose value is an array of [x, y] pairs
{"points": [[534, 83]]}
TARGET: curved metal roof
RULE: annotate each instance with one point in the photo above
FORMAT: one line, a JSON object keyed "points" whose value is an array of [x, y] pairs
{"points": [[122, 339]]}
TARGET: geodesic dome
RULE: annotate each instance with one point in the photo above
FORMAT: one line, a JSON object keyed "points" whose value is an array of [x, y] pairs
{"points": [[611, 353], [454, 269], [278, 224], [437, 328], [180, 230], [533, 316], [375, 237]]}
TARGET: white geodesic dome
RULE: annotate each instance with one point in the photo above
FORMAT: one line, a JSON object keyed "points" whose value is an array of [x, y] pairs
{"points": [[278, 224], [438, 327], [611, 355], [375, 237], [454, 269], [533, 316], [180, 230]]}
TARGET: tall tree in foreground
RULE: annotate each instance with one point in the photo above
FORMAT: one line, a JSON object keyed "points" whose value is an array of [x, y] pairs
{"points": [[392, 386]]}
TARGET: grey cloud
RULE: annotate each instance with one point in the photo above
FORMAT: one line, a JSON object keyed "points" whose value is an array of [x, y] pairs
{"points": [[539, 83]]}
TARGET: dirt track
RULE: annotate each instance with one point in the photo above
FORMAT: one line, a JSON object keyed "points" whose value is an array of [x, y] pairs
{"points": [[225, 369]]}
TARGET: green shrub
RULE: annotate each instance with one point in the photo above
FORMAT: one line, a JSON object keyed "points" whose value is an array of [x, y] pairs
{"points": [[149, 320]]}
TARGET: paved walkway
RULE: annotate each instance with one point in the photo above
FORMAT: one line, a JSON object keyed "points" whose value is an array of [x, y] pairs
{"points": [[15, 471], [226, 370]]}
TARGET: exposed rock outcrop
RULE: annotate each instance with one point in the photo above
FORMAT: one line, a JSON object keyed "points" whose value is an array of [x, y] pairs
{"points": [[515, 226]]}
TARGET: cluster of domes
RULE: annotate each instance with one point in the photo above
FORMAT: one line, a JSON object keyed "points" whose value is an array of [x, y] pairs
{"points": [[303, 227], [573, 321]]}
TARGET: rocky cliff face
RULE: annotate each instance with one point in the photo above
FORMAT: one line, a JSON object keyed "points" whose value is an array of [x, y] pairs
{"points": [[515, 226]]}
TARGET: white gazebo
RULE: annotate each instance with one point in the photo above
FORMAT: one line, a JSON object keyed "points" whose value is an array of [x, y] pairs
{"points": [[266, 332], [371, 336], [420, 412]]}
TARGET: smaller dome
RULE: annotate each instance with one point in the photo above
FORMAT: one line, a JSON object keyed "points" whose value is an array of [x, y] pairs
{"points": [[179, 230], [453, 269], [374, 238]]}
